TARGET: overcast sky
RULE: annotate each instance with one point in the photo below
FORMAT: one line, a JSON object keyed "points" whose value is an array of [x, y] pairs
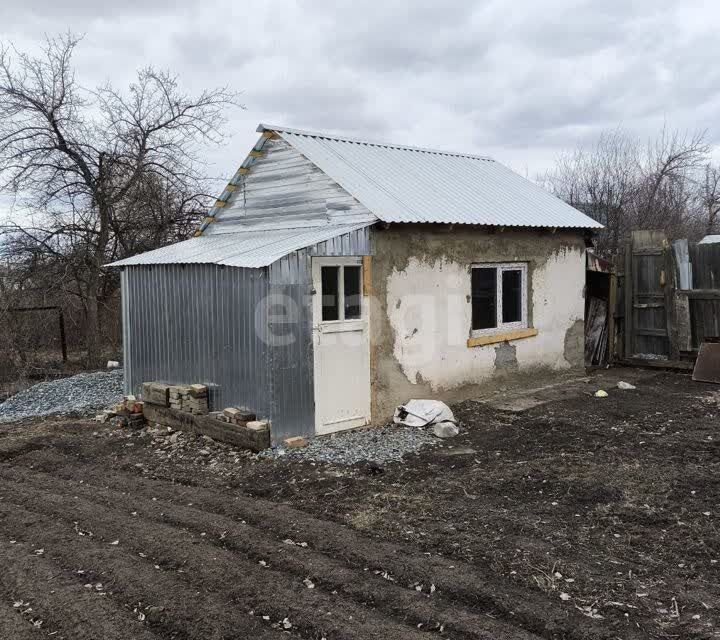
{"points": [[519, 81]]}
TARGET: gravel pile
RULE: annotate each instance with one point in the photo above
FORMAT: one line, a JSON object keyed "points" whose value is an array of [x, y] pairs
{"points": [[381, 445], [81, 394]]}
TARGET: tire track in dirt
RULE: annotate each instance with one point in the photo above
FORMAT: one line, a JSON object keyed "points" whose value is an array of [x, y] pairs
{"points": [[127, 579], [407, 604], [242, 580], [57, 602], [468, 584]]}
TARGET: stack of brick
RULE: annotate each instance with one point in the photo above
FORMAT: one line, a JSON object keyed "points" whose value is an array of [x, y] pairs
{"points": [[189, 398], [238, 415], [128, 413], [241, 416]]}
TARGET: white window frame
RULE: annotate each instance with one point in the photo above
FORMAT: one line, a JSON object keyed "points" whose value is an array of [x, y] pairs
{"points": [[341, 263], [502, 327]]}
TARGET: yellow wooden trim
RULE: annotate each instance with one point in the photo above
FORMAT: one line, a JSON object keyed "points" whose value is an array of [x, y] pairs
{"points": [[197, 234], [209, 219], [501, 337], [231, 188], [219, 204], [269, 135], [367, 275], [243, 171], [256, 154]]}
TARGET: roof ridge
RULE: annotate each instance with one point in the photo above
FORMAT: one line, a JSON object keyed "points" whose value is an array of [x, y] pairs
{"points": [[319, 134]]}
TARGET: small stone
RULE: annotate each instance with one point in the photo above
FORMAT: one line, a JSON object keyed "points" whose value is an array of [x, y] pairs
{"points": [[601, 394], [625, 385], [446, 429]]}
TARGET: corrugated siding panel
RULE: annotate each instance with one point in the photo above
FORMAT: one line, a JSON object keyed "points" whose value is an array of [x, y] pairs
{"points": [[246, 249], [293, 402], [199, 323], [401, 184], [285, 189]]}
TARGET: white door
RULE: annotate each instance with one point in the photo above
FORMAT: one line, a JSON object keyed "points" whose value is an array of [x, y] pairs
{"points": [[341, 346]]}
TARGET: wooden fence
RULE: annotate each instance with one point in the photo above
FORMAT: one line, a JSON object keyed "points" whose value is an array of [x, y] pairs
{"points": [[668, 301]]}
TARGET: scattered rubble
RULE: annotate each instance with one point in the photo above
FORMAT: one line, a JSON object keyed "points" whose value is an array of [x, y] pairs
{"points": [[81, 395], [381, 445]]}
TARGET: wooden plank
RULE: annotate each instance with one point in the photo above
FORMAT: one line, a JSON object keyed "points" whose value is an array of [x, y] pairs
{"points": [[612, 303], [256, 154], [661, 333], [367, 275], [703, 294], [669, 285], [675, 365], [628, 285], [501, 337]]}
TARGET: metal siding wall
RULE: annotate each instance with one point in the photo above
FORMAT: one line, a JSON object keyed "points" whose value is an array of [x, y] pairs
{"points": [[210, 324], [291, 353], [197, 323], [292, 358]]}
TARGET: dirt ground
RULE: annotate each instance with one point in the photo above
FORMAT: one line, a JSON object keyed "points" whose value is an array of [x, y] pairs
{"points": [[580, 518]]}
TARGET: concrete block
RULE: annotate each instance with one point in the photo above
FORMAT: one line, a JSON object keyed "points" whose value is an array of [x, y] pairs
{"points": [[198, 391], [156, 393], [205, 425]]}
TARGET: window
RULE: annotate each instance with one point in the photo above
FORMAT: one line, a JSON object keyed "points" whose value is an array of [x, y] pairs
{"points": [[330, 293], [499, 297], [341, 292], [351, 281]]}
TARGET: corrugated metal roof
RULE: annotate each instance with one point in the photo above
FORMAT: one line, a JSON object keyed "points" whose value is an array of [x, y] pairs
{"points": [[711, 239], [246, 249], [408, 184]]}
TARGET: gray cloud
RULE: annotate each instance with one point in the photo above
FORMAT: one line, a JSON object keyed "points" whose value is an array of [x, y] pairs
{"points": [[520, 81]]}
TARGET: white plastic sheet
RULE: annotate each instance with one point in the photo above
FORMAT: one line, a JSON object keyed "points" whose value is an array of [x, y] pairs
{"points": [[420, 413]]}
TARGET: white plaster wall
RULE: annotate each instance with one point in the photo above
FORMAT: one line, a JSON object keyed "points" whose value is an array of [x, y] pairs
{"points": [[428, 306]]}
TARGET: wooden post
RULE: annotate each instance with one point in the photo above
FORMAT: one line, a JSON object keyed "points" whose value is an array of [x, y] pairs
{"points": [[669, 290], [612, 306], [629, 323], [63, 343]]}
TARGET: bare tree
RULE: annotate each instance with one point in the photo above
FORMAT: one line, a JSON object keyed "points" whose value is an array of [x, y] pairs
{"points": [[626, 185], [601, 181], [83, 158]]}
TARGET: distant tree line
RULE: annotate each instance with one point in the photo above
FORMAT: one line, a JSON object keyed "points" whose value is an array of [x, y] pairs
{"points": [[667, 183], [96, 174]]}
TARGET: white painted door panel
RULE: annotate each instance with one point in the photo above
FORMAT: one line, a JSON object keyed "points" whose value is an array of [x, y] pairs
{"points": [[341, 347]]}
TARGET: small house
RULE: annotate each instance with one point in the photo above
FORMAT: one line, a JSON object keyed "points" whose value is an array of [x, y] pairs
{"points": [[335, 278]]}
